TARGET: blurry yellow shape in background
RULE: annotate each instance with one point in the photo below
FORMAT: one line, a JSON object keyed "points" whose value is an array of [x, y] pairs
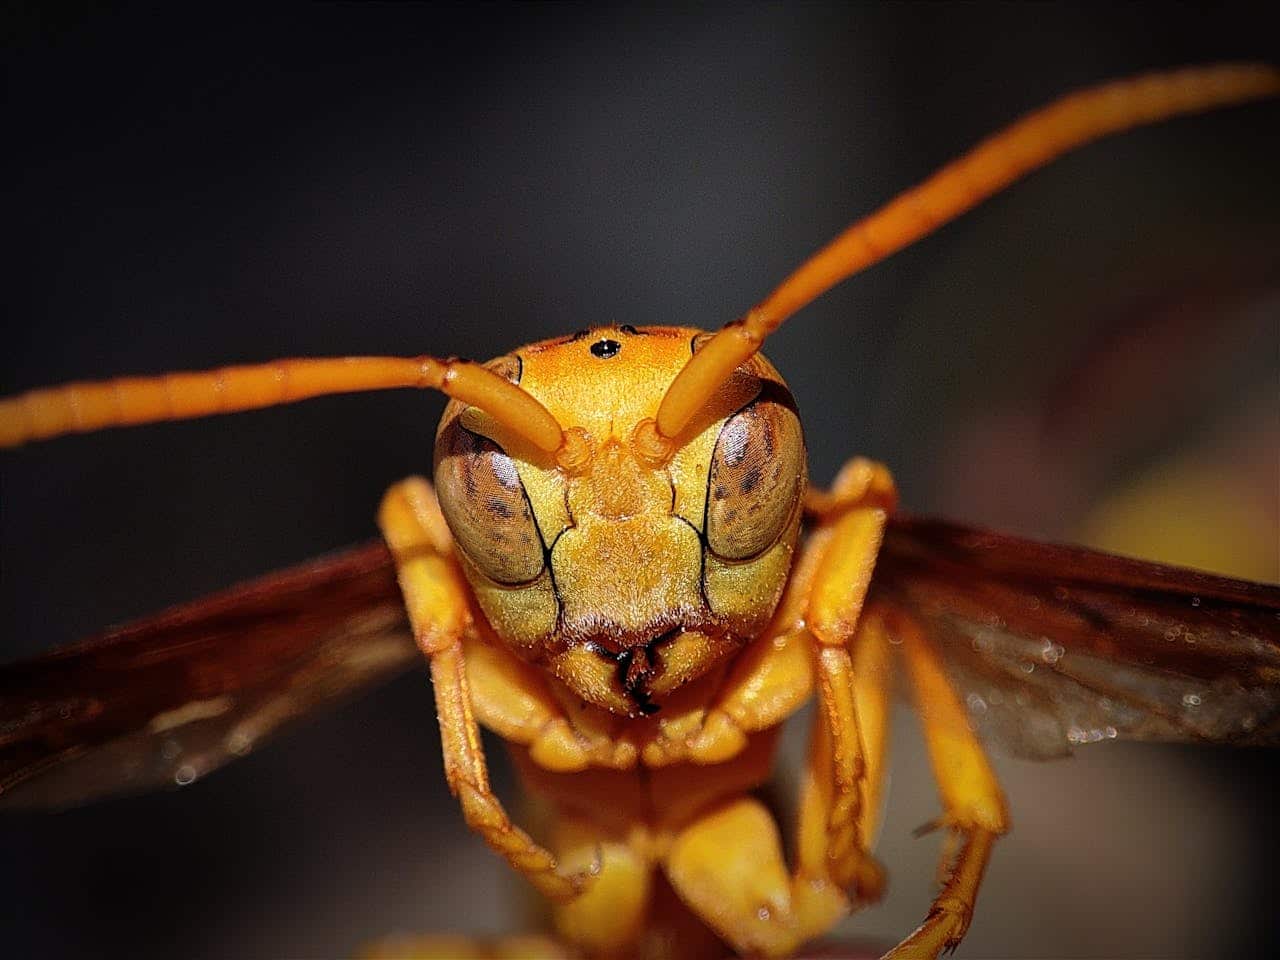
{"points": [[1189, 513]]}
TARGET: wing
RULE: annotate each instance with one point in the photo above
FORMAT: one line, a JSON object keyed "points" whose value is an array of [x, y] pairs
{"points": [[1052, 646], [169, 698]]}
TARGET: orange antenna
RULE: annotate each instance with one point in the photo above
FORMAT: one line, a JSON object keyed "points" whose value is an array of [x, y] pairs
{"points": [[988, 168], [81, 407]]}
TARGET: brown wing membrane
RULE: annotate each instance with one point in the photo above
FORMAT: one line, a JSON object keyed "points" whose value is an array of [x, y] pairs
{"points": [[169, 698], [1052, 646]]}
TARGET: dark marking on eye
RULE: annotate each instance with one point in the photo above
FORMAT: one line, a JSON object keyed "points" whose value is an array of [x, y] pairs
{"points": [[736, 436], [756, 474], [628, 328], [604, 349], [498, 508], [769, 439], [487, 507], [579, 335]]}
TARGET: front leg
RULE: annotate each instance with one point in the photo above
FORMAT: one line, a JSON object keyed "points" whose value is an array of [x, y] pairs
{"points": [[728, 864], [436, 599], [832, 582], [773, 676], [853, 516]]}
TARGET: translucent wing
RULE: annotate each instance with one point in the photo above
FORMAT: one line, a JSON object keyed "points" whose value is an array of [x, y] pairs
{"points": [[1052, 646], [168, 699]]}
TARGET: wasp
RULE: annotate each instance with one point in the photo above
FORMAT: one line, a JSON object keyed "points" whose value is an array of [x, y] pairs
{"points": [[623, 570]]}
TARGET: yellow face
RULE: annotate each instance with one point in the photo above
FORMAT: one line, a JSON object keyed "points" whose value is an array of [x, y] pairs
{"points": [[623, 579]]}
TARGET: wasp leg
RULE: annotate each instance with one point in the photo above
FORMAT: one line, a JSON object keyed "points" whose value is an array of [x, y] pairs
{"points": [[860, 483], [775, 674], [871, 688], [514, 700], [872, 693], [436, 600], [728, 865], [768, 682], [832, 579], [510, 697], [973, 804]]}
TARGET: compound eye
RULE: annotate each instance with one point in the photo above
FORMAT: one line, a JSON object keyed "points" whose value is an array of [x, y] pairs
{"points": [[485, 505], [757, 475]]}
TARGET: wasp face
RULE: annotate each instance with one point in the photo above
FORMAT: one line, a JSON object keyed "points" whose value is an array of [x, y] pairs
{"points": [[623, 579]]}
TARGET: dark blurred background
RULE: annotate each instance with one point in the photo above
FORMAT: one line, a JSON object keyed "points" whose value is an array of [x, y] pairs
{"points": [[1090, 357]]}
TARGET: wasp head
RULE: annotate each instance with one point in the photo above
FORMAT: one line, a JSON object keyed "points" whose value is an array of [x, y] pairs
{"points": [[623, 577]]}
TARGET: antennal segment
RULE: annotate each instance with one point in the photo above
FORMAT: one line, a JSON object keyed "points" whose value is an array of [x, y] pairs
{"points": [[1032, 142], [82, 407]]}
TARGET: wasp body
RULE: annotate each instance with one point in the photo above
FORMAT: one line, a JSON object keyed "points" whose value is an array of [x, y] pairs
{"points": [[611, 595]]}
